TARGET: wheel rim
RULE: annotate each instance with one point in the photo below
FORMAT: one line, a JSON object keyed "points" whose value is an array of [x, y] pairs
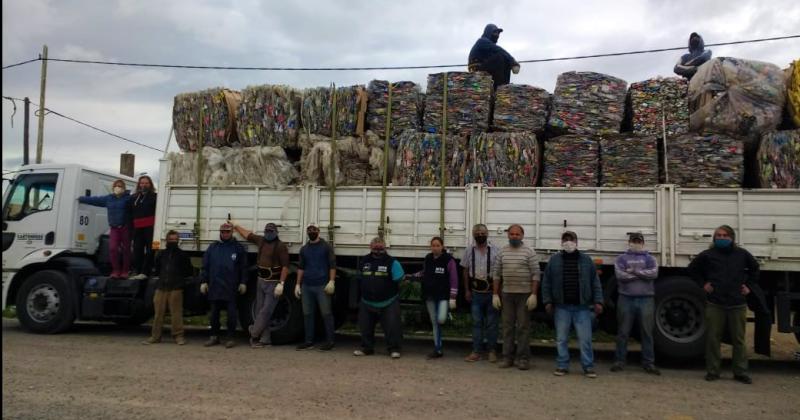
{"points": [[680, 319], [43, 303]]}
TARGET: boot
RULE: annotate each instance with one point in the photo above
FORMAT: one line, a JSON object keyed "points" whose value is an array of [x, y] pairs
{"points": [[212, 341]]}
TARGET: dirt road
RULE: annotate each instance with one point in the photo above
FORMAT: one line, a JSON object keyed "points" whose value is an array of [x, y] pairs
{"points": [[98, 371]]}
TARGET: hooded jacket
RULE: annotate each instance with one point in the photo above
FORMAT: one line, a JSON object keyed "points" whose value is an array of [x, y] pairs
{"points": [[118, 211], [688, 64], [727, 269], [143, 209], [485, 47], [644, 269]]}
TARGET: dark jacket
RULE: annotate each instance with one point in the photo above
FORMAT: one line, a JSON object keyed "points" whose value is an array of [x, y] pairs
{"points": [[143, 209], [485, 48], [689, 62], [436, 277], [224, 269], [172, 266], [591, 291], [727, 270], [378, 280], [118, 210]]}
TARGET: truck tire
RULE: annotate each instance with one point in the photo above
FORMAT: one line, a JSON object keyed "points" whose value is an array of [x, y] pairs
{"points": [[286, 325], [680, 328], [45, 303], [608, 319], [796, 323]]}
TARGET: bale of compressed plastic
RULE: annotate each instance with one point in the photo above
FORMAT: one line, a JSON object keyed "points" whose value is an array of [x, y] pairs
{"points": [[711, 160], [779, 159], [269, 115], [407, 105], [571, 161], [418, 161], [503, 159], [469, 97], [317, 107], [659, 105], [793, 92], [266, 166], [520, 108], [628, 161], [359, 160], [741, 98], [587, 103], [218, 106]]}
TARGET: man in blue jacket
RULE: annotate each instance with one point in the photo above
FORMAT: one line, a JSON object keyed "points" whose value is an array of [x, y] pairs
{"points": [[119, 237], [224, 274], [697, 55], [491, 58], [571, 290]]}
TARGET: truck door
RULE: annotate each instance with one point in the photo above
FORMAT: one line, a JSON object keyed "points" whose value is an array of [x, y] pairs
{"points": [[30, 216]]}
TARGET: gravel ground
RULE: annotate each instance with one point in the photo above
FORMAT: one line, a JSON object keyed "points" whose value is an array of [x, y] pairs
{"points": [[100, 371]]}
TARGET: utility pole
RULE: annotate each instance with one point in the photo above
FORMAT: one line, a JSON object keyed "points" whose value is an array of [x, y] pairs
{"points": [[40, 131], [26, 132], [126, 163]]}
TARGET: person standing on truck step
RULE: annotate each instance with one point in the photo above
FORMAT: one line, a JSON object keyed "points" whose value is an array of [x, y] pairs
{"points": [[517, 268], [119, 240], [491, 58], [316, 274], [571, 289], [478, 286], [172, 266], [224, 273], [727, 273], [143, 210], [379, 282], [439, 277], [273, 268], [635, 271]]}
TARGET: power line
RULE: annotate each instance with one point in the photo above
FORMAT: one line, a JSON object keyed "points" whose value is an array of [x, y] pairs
{"points": [[50, 111], [435, 66], [21, 63]]}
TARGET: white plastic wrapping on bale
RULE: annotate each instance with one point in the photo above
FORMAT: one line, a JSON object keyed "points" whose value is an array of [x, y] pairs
{"points": [[360, 160], [258, 165]]}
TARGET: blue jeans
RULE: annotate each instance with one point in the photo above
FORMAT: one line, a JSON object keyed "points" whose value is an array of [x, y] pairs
{"points": [[438, 312], [581, 317], [630, 309], [314, 296], [484, 317]]}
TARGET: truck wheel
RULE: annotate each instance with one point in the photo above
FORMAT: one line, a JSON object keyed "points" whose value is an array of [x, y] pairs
{"points": [[608, 319], [286, 324], [797, 324], [45, 303], [679, 318]]}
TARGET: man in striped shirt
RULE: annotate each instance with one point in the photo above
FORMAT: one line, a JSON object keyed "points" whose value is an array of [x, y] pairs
{"points": [[517, 268]]}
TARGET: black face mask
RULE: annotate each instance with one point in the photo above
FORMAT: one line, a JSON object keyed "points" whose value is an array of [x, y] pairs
{"points": [[694, 43], [172, 245], [378, 252], [313, 235], [480, 239]]}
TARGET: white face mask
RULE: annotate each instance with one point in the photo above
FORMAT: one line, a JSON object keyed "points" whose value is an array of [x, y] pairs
{"points": [[118, 190], [636, 247], [569, 246]]}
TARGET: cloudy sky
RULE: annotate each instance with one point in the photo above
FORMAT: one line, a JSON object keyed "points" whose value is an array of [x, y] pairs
{"points": [[137, 102]]}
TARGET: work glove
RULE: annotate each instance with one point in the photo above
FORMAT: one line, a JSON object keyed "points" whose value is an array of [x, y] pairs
{"points": [[531, 302], [515, 68], [242, 289], [278, 290], [496, 302], [204, 288], [233, 223], [297, 291], [452, 304], [330, 287]]}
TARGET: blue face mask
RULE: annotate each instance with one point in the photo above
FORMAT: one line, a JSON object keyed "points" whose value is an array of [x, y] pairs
{"points": [[515, 242], [722, 243], [270, 235]]}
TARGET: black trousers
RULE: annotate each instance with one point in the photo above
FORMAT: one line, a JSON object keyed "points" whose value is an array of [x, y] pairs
{"points": [[218, 306], [389, 317], [143, 250]]}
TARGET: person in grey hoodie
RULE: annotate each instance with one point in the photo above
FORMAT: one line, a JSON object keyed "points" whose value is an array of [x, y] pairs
{"points": [[635, 271], [697, 55]]}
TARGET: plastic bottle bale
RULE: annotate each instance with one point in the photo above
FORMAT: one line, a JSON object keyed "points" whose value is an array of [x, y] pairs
{"points": [[779, 159], [521, 108], [793, 93], [628, 161], [418, 162], [269, 115], [469, 98], [351, 107], [503, 160], [660, 99], [709, 161], [406, 108], [219, 107], [571, 161], [741, 98], [588, 103]]}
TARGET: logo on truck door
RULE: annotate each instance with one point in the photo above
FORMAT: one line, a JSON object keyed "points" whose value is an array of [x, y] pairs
{"points": [[30, 237]]}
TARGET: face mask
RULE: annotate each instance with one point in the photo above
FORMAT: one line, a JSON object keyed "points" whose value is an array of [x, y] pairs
{"points": [[118, 190], [722, 243], [172, 245], [223, 238], [378, 251], [694, 43], [636, 247], [312, 236], [569, 246], [480, 239], [515, 242], [270, 235]]}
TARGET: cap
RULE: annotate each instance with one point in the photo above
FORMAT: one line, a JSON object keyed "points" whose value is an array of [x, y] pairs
{"points": [[226, 226], [635, 235], [312, 226], [569, 235], [271, 226]]}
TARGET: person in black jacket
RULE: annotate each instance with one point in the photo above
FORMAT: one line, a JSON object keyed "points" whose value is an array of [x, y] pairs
{"points": [[727, 273], [697, 55], [491, 58], [172, 267], [143, 211]]}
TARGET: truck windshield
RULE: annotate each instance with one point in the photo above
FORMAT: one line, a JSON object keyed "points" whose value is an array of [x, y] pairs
{"points": [[30, 194]]}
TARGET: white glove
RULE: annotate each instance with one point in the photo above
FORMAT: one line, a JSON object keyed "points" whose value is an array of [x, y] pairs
{"points": [[233, 223], [496, 302], [297, 291], [515, 68], [330, 287], [452, 304], [278, 290], [242, 289], [204, 288], [531, 302]]}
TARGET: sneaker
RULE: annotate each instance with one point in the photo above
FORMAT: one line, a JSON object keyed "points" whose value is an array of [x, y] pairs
{"points": [[523, 364], [651, 369], [139, 276], [304, 346], [560, 372], [255, 344], [617, 367], [492, 357], [743, 379], [712, 376], [434, 355], [180, 341], [473, 357], [363, 352], [213, 341], [326, 347], [265, 343], [229, 344], [506, 363], [395, 355], [151, 340], [590, 373]]}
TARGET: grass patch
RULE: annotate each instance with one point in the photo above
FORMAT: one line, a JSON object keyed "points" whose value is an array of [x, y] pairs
{"points": [[10, 312]]}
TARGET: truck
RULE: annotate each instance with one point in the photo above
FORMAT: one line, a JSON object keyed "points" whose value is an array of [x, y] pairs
{"points": [[55, 259]]}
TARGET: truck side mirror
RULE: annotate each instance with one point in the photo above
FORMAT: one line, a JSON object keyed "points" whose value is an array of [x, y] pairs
{"points": [[88, 193]]}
